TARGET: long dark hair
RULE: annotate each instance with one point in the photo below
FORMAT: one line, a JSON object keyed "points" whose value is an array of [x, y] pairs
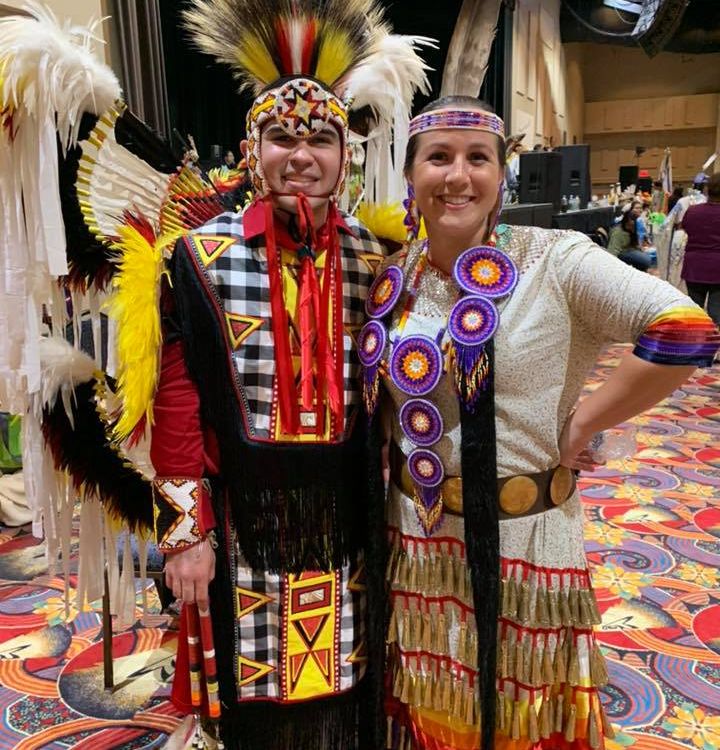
{"points": [[629, 224], [446, 102]]}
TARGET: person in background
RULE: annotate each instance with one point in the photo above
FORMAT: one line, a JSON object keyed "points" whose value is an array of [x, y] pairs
{"points": [[637, 209], [701, 266], [229, 159], [696, 196], [677, 193], [625, 245], [513, 149]]}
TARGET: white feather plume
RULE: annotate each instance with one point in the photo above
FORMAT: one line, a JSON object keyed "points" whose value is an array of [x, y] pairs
{"points": [[63, 368], [392, 73], [387, 82], [49, 78], [52, 68]]}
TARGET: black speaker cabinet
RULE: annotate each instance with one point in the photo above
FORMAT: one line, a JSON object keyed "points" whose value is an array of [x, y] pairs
{"points": [[540, 178], [576, 172], [628, 175]]}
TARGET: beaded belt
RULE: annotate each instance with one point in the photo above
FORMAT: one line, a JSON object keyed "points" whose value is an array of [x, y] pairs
{"points": [[521, 495]]}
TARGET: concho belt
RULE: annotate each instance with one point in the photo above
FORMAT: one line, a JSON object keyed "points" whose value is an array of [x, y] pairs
{"points": [[518, 496]]}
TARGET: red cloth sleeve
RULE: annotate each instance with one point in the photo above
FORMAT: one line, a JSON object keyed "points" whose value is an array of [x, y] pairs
{"points": [[179, 447]]}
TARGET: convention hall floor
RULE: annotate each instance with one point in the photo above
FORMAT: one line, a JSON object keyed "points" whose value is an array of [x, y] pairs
{"points": [[652, 537]]}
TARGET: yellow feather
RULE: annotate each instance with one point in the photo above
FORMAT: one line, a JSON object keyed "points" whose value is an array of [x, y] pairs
{"points": [[254, 57], [135, 305], [334, 57], [385, 221]]}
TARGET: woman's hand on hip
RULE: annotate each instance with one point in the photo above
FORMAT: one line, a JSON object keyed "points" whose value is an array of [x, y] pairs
{"points": [[574, 449], [188, 573]]}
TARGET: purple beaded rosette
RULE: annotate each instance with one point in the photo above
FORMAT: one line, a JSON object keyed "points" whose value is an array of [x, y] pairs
{"points": [[416, 365], [484, 273], [425, 468], [485, 270], [421, 422], [427, 472], [371, 345], [384, 292], [473, 321]]}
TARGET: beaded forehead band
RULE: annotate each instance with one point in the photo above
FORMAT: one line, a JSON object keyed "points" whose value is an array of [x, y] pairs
{"points": [[466, 119]]}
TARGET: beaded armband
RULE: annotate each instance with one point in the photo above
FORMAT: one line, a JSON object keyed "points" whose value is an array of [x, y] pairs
{"points": [[175, 512], [679, 336]]}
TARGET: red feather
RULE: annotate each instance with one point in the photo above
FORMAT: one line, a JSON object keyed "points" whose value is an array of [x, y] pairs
{"points": [[283, 43], [141, 224], [308, 46]]}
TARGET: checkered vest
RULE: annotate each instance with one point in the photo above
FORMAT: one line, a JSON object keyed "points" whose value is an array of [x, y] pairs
{"points": [[237, 272]]}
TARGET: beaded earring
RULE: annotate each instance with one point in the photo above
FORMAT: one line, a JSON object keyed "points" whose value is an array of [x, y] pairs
{"points": [[412, 214]]}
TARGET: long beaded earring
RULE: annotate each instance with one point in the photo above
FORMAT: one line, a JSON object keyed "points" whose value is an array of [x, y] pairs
{"points": [[412, 215]]}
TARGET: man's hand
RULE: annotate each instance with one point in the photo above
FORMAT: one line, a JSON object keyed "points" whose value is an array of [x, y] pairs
{"points": [[189, 572]]}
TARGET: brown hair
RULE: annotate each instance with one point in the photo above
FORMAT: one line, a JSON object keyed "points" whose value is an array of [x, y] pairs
{"points": [[445, 102], [713, 188]]}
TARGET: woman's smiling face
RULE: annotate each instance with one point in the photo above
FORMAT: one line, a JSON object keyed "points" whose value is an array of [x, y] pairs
{"points": [[456, 175]]}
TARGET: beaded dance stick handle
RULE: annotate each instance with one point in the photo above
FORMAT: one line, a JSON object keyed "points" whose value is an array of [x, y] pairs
{"points": [[194, 658], [210, 668], [195, 664]]}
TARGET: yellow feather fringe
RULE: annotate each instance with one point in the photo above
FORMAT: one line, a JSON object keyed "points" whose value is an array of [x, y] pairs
{"points": [[253, 56], [335, 55], [135, 305], [385, 221]]}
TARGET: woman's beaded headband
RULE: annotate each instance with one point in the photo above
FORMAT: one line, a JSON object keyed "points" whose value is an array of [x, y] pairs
{"points": [[468, 119]]}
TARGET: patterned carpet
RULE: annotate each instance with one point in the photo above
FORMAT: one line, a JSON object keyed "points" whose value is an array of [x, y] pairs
{"points": [[652, 539]]}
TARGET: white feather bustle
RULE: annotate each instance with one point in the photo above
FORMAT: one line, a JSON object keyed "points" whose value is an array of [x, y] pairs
{"points": [[50, 78]]}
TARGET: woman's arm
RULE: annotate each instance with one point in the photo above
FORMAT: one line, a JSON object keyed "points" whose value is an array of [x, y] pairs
{"points": [[635, 386], [610, 302]]}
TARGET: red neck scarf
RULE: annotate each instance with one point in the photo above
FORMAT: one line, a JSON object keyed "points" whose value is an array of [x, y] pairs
{"points": [[321, 364]]}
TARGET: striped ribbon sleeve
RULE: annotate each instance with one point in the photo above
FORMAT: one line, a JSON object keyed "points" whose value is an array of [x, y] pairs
{"points": [[679, 336]]}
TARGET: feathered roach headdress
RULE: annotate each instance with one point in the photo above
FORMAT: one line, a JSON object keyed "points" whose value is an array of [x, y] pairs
{"points": [[306, 60]]}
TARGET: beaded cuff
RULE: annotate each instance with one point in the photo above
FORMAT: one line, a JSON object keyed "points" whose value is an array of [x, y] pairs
{"points": [[175, 512], [679, 336]]}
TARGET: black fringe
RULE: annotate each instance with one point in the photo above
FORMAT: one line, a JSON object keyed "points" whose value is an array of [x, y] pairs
{"points": [[482, 539], [372, 710], [330, 723], [294, 506], [87, 455]]}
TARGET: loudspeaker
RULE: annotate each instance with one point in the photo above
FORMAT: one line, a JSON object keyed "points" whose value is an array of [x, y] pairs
{"points": [[627, 175], [575, 178], [540, 173], [657, 23]]}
